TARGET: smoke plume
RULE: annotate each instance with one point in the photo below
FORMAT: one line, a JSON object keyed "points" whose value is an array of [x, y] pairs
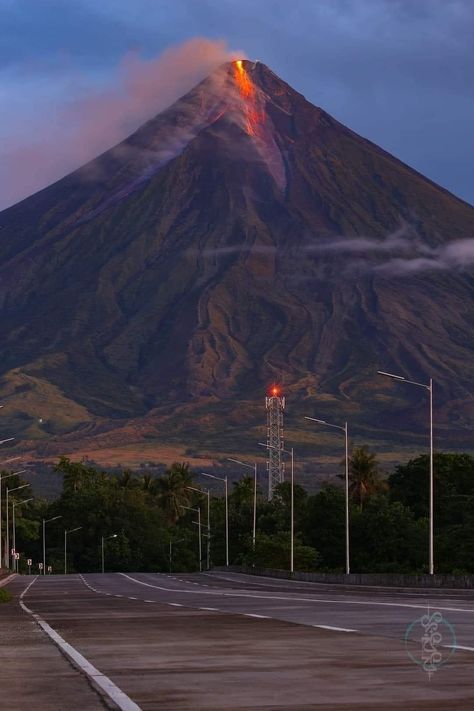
{"points": [[91, 124]]}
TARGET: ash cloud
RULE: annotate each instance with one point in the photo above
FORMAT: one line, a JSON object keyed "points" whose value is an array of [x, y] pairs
{"points": [[85, 127]]}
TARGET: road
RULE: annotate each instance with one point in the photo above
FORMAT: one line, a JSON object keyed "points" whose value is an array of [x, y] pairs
{"points": [[229, 641]]}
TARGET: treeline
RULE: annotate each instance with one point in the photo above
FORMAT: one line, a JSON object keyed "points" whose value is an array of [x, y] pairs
{"points": [[154, 520]]}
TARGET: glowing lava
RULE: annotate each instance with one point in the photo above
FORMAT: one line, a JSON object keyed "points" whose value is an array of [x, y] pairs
{"points": [[253, 116]]}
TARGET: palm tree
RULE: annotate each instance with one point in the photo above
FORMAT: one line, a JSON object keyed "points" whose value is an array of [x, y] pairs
{"points": [[126, 479], [148, 483], [364, 475], [172, 491]]}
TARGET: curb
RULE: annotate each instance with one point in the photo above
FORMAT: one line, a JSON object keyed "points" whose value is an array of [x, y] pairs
{"points": [[6, 580]]}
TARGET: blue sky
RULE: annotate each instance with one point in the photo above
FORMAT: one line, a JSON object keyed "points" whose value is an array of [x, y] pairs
{"points": [[399, 72]]}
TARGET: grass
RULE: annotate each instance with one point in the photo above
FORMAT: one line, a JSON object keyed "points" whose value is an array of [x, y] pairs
{"points": [[5, 595]]}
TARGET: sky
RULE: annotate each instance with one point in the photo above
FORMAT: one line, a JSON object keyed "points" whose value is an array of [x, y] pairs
{"points": [[78, 76]]}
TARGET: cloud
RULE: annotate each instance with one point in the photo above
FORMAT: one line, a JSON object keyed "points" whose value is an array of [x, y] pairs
{"points": [[398, 240], [455, 255], [100, 118], [401, 252]]}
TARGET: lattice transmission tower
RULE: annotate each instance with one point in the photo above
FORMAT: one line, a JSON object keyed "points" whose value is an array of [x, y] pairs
{"points": [[275, 405]]}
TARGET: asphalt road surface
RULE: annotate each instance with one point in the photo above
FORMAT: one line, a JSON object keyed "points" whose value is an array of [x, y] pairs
{"points": [[230, 641]]}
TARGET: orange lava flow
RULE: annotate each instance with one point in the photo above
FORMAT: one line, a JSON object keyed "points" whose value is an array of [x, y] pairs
{"points": [[248, 94]]}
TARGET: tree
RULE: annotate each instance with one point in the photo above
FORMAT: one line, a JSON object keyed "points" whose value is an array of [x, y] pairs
{"points": [[172, 491], [274, 552], [364, 475], [324, 526], [386, 538]]}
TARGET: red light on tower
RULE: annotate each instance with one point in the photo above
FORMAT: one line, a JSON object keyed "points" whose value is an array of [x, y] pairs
{"points": [[275, 391]]}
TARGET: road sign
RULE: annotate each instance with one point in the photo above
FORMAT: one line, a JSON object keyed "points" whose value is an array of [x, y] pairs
{"points": [[40, 566], [50, 568], [29, 561]]}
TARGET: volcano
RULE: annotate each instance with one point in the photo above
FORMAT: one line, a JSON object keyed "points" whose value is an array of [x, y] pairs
{"points": [[241, 237]]}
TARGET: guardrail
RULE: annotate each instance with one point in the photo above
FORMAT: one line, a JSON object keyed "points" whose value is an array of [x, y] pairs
{"points": [[461, 582]]}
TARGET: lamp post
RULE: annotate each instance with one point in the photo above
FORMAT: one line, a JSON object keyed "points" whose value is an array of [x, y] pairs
{"points": [[106, 538], [1, 520], [292, 514], [208, 547], [45, 521], [428, 387], [224, 479], [254, 467], [198, 511], [7, 552], [346, 436], [14, 505], [72, 530]]}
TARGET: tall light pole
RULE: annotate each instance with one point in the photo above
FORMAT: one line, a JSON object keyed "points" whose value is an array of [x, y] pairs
{"points": [[45, 521], [14, 505], [198, 511], [346, 436], [224, 479], [208, 547], [7, 461], [428, 387], [72, 530], [254, 467], [292, 514], [106, 538], [9, 491]]}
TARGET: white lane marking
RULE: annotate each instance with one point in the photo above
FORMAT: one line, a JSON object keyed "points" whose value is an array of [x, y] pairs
{"points": [[175, 604], [133, 598], [459, 646], [252, 614], [107, 686], [148, 601], [212, 609], [334, 629], [296, 599]]}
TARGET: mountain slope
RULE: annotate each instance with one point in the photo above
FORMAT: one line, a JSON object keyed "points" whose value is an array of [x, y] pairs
{"points": [[240, 237]]}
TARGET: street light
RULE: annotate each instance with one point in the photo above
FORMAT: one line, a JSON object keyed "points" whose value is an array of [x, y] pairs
{"points": [[198, 511], [14, 505], [106, 538], [208, 547], [292, 524], [45, 521], [346, 436], [428, 387], [7, 461], [9, 491], [254, 467], [72, 530], [224, 479]]}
